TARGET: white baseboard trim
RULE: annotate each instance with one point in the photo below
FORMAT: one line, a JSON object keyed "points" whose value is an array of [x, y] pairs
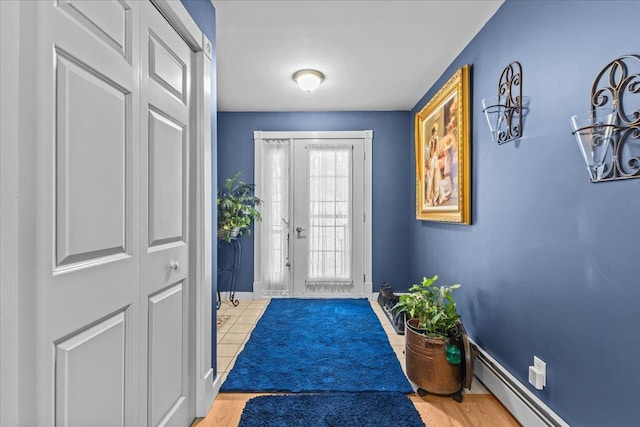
{"points": [[374, 296], [206, 396], [241, 296], [526, 407], [217, 383]]}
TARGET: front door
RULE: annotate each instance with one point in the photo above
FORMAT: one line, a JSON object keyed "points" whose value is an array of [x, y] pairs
{"points": [[112, 295], [327, 218], [314, 238]]}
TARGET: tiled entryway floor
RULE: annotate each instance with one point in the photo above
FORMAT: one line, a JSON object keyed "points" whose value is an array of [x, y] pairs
{"points": [[238, 322]]}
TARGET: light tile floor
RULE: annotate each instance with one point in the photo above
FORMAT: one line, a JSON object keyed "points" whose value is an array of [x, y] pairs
{"points": [[235, 331], [240, 321]]}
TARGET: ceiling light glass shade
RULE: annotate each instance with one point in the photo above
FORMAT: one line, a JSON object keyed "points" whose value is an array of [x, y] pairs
{"points": [[308, 80], [593, 132]]}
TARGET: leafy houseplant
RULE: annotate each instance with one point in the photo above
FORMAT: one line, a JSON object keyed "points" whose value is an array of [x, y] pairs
{"points": [[433, 306], [434, 340], [236, 208]]}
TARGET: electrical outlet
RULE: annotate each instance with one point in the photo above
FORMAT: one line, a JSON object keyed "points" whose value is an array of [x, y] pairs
{"points": [[540, 364], [538, 373]]}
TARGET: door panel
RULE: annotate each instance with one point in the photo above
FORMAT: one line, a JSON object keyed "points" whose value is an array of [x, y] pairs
{"points": [[328, 218], [166, 83], [167, 179], [166, 340], [91, 368], [92, 120], [166, 68], [109, 21], [87, 305]]}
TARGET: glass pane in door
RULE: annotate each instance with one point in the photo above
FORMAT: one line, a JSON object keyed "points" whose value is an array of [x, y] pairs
{"points": [[275, 218], [330, 228]]}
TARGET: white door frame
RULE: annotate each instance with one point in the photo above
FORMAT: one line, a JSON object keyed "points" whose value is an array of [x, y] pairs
{"points": [[18, 223], [367, 137]]}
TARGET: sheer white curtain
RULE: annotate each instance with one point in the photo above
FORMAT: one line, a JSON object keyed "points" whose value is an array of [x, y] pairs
{"points": [[330, 228], [275, 212]]}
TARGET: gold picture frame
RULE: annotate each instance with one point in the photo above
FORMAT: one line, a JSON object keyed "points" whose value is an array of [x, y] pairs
{"points": [[443, 168]]}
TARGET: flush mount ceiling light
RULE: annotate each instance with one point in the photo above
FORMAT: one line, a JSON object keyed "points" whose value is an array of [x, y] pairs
{"points": [[308, 80]]}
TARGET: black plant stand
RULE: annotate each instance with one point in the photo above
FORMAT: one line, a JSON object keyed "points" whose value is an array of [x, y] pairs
{"points": [[230, 272]]}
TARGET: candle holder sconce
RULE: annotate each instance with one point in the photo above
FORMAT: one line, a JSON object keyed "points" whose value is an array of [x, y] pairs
{"points": [[504, 112], [609, 134]]}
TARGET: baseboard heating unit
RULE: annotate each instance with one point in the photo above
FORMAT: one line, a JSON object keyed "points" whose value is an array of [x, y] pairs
{"points": [[526, 407]]}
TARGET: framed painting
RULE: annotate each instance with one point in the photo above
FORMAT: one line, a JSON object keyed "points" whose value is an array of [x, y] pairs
{"points": [[443, 175]]}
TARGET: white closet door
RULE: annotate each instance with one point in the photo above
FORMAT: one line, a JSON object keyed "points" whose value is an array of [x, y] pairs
{"points": [[112, 300], [165, 288], [87, 301]]}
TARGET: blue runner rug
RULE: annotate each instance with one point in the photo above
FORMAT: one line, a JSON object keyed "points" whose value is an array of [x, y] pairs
{"points": [[310, 345], [331, 410]]}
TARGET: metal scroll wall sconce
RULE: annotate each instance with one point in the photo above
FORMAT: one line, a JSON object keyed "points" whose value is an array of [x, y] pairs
{"points": [[609, 134], [504, 112]]}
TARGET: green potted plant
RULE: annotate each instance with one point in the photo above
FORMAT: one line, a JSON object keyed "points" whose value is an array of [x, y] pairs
{"points": [[436, 343], [433, 306], [236, 208]]}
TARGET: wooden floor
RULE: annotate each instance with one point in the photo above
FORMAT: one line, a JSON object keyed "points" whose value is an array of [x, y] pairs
{"points": [[475, 410]]}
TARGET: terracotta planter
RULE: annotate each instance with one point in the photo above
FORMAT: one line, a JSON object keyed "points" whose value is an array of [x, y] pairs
{"points": [[427, 364]]}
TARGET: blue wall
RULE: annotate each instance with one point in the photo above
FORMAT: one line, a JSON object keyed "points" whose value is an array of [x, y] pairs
{"points": [[204, 14], [550, 266], [391, 196]]}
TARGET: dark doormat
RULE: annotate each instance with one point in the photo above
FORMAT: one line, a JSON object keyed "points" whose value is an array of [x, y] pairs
{"points": [[331, 410]]}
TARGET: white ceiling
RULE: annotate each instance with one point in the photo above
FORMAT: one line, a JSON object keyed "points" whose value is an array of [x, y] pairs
{"points": [[376, 55]]}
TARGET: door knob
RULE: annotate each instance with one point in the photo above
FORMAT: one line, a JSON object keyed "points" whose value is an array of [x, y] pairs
{"points": [[300, 229], [174, 265]]}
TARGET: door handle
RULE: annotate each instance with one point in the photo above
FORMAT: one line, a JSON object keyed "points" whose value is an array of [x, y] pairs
{"points": [[174, 265], [288, 263], [300, 230]]}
